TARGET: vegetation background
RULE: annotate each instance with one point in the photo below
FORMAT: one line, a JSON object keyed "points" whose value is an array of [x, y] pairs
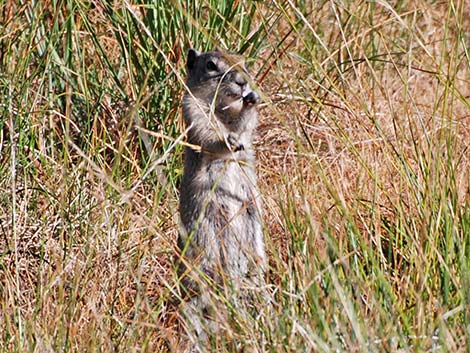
{"points": [[364, 169]]}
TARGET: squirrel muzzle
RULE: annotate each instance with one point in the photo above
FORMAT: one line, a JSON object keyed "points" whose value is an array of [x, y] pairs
{"points": [[251, 98]]}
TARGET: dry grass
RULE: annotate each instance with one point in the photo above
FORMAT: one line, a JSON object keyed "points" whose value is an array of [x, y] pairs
{"points": [[364, 168]]}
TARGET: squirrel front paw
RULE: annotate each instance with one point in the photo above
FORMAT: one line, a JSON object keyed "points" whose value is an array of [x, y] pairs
{"points": [[233, 143]]}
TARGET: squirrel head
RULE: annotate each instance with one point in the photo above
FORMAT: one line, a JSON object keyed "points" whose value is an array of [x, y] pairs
{"points": [[220, 79]]}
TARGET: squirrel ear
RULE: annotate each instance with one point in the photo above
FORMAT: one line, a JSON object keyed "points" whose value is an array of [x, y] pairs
{"points": [[192, 56]]}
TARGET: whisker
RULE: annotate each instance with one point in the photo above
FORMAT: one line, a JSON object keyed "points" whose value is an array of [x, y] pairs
{"points": [[228, 106]]}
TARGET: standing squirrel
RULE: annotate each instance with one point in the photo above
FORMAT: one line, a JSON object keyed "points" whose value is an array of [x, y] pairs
{"points": [[220, 205]]}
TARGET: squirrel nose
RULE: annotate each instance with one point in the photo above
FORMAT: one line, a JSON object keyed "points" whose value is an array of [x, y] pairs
{"points": [[251, 98]]}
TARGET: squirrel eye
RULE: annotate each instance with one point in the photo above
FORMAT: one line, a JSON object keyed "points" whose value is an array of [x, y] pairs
{"points": [[211, 66]]}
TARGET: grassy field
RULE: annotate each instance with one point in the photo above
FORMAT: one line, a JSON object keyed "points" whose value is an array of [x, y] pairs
{"points": [[364, 168]]}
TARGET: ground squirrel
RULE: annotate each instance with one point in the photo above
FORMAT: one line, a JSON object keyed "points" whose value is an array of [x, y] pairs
{"points": [[220, 206]]}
